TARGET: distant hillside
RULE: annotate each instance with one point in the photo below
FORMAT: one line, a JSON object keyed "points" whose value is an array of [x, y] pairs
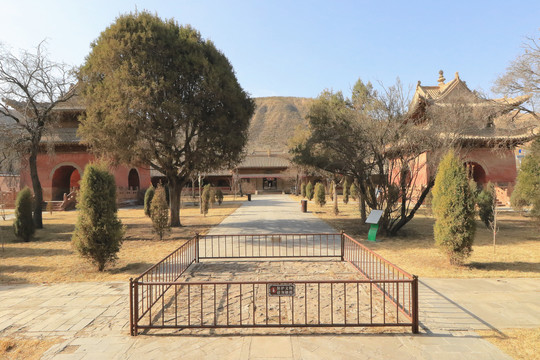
{"points": [[274, 122]]}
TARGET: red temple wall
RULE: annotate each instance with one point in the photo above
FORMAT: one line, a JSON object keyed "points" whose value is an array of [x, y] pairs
{"points": [[47, 165], [499, 166]]}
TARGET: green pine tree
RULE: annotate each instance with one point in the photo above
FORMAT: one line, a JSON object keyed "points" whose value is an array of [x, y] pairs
{"points": [[159, 211], [23, 226], [206, 195], [354, 191], [486, 200], [320, 195], [453, 207], [527, 190], [303, 190], [346, 192], [98, 232], [219, 196], [148, 196], [309, 191]]}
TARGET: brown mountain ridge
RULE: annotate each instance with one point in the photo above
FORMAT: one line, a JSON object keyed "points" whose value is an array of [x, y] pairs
{"points": [[275, 121]]}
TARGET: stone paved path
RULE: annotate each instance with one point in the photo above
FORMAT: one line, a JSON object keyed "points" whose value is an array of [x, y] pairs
{"points": [[93, 317]]}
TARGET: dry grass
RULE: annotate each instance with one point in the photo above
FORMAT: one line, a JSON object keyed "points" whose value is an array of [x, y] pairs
{"points": [[28, 349], [520, 344], [50, 257], [517, 252]]}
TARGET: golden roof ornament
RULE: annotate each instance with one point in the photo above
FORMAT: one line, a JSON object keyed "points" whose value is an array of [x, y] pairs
{"points": [[457, 75], [441, 78]]}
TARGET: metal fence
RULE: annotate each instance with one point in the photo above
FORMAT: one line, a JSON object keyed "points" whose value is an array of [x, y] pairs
{"points": [[387, 297], [269, 246]]}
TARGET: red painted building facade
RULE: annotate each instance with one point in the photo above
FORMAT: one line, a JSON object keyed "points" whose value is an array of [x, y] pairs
{"points": [[63, 158]]}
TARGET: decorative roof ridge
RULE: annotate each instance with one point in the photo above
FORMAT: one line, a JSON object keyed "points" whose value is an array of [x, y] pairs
{"points": [[518, 100]]}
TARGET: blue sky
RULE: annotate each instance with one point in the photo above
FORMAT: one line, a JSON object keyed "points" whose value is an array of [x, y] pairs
{"points": [[299, 48]]}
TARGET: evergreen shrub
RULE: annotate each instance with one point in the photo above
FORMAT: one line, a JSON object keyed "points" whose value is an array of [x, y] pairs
{"points": [[453, 207], [148, 196], [485, 201], [159, 211], [98, 232], [23, 226], [309, 191], [346, 192], [320, 195]]}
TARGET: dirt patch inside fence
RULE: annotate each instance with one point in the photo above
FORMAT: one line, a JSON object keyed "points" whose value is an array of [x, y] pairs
{"points": [[324, 298]]}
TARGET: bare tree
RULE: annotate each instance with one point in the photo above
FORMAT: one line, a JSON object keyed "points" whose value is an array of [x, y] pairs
{"points": [[31, 86], [391, 153], [523, 74]]}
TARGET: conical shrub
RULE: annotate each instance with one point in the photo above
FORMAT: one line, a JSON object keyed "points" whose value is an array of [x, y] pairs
{"points": [[23, 226], [98, 232], [453, 207]]}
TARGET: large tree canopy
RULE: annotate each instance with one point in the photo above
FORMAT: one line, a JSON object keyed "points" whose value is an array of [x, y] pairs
{"points": [[157, 93]]}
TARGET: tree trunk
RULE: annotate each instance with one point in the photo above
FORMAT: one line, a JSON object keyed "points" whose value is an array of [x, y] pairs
{"points": [[175, 190], [404, 220], [362, 206], [38, 191]]}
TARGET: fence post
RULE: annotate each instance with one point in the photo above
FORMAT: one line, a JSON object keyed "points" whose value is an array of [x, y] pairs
{"points": [[415, 321], [197, 247], [131, 306], [342, 245]]}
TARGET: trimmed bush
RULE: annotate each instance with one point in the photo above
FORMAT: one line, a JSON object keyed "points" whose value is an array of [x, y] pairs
{"points": [[320, 195], [527, 190], [23, 226], [213, 198], [303, 190], [309, 191], [219, 196], [346, 192], [159, 211], [148, 196], [206, 195], [354, 191], [485, 201], [453, 207], [98, 232]]}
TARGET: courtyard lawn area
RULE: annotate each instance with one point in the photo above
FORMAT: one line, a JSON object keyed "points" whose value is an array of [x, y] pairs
{"points": [[517, 251], [518, 343], [50, 258]]}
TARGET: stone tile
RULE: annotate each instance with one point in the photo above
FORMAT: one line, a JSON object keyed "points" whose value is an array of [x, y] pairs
{"points": [[270, 347]]}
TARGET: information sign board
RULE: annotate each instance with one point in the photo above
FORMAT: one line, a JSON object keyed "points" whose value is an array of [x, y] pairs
{"points": [[281, 289]]}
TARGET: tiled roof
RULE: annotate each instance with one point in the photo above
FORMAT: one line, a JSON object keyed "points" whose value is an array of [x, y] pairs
{"points": [[254, 161], [61, 136], [250, 162]]}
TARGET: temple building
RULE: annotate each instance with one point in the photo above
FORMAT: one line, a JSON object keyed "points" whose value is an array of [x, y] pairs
{"points": [[489, 151], [63, 157], [488, 142]]}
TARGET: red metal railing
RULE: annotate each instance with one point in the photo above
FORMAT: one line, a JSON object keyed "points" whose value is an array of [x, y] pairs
{"points": [[387, 297], [143, 291], [248, 304], [402, 290], [269, 246]]}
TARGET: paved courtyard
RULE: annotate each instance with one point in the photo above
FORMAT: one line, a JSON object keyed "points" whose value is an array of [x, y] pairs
{"points": [[93, 317]]}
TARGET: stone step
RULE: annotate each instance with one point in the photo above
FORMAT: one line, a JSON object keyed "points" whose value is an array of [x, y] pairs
{"points": [[56, 205]]}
